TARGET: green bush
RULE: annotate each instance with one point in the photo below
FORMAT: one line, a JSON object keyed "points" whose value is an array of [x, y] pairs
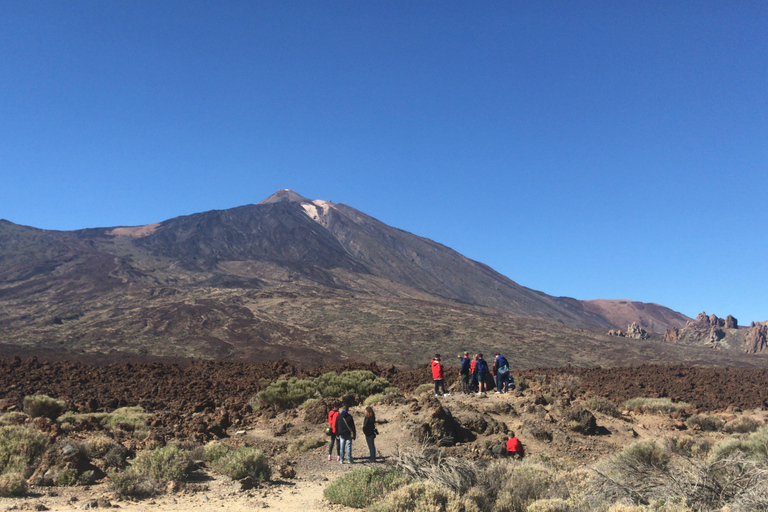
{"points": [[244, 462], [753, 446], [19, 447], [167, 464], [12, 485], [304, 444], [129, 419], [603, 405], [424, 388], [66, 477], [362, 487], [13, 418], [550, 505], [378, 397], [423, 497], [286, 394], [707, 423], [215, 450], [43, 405], [527, 484], [132, 484], [655, 405]]}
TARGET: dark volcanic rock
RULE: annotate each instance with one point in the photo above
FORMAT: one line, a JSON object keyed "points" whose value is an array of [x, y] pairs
{"points": [[757, 338]]}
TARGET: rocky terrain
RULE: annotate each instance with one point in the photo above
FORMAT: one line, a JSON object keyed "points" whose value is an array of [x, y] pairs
{"points": [[721, 333], [562, 415]]}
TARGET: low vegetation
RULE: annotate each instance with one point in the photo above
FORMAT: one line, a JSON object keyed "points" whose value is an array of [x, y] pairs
{"points": [[363, 487], [654, 405], [43, 406], [290, 393], [244, 462]]}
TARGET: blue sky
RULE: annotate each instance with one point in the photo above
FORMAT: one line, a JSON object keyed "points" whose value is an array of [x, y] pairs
{"points": [[587, 149]]}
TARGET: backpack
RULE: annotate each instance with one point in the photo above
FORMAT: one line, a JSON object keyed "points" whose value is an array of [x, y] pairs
{"points": [[504, 370]]}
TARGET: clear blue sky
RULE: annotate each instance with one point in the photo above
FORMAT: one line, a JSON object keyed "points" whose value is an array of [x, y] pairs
{"points": [[587, 149]]}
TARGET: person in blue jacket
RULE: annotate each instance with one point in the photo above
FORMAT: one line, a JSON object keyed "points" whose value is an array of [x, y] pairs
{"points": [[481, 368], [501, 373]]}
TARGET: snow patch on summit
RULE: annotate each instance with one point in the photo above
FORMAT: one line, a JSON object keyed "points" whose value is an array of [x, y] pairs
{"points": [[316, 209]]}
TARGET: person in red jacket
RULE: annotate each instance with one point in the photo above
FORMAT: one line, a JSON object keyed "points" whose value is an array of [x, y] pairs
{"points": [[437, 376], [332, 415], [515, 447]]}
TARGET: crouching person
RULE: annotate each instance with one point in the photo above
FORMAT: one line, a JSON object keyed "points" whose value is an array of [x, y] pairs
{"points": [[515, 447]]}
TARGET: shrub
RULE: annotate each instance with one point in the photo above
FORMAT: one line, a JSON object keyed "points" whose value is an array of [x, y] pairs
{"points": [[132, 484], [565, 381], [13, 418], [742, 425], [655, 405], [66, 477], [304, 444], [707, 423], [522, 384], [19, 447], [527, 484], [645, 453], [423, 497], [674, 480], [130, 419], [603, 405], [374, 399], [43, 405], [754, 446], [12, 484], [167, 464], [550, 505], [362, 487], [454, 473], [244, 462], [424, 388], [107, 449], [361, 382], [215, 451], [290, 393]]}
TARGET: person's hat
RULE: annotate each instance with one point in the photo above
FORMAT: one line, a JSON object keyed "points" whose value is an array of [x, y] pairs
{"points": [[437, 356]]}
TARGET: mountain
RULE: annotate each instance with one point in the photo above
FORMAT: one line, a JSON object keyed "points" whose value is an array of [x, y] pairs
{"points": [[289, 277]]}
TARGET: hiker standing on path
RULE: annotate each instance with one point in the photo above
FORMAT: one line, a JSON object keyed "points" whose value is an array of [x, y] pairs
{"points": [[481, 367], [332, 415], [464, 372], [473, 373], [345, 429], [501, 372], [370, 431], [437, 376]]}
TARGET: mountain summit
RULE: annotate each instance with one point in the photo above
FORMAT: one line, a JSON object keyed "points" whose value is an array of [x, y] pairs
{"points": [[285, 196], [285, 277]]}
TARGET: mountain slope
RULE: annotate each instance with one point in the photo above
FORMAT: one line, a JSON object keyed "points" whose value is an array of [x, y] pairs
{"points": [[287, 277]]}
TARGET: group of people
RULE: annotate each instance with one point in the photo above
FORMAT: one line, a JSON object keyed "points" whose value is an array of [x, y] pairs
{"points": [[474, 374], [474, 379], [341, 428]]}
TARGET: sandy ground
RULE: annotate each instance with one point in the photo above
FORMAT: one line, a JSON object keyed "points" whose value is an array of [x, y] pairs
{"points": [[314, 472]]}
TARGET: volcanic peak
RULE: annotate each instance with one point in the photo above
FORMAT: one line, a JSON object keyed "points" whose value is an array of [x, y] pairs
{"points": [[285, 195]]}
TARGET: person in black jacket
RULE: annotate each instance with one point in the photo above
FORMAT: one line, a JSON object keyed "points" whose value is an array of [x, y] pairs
{"points": [[345, 429], [369, 429], [464, 372]]}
